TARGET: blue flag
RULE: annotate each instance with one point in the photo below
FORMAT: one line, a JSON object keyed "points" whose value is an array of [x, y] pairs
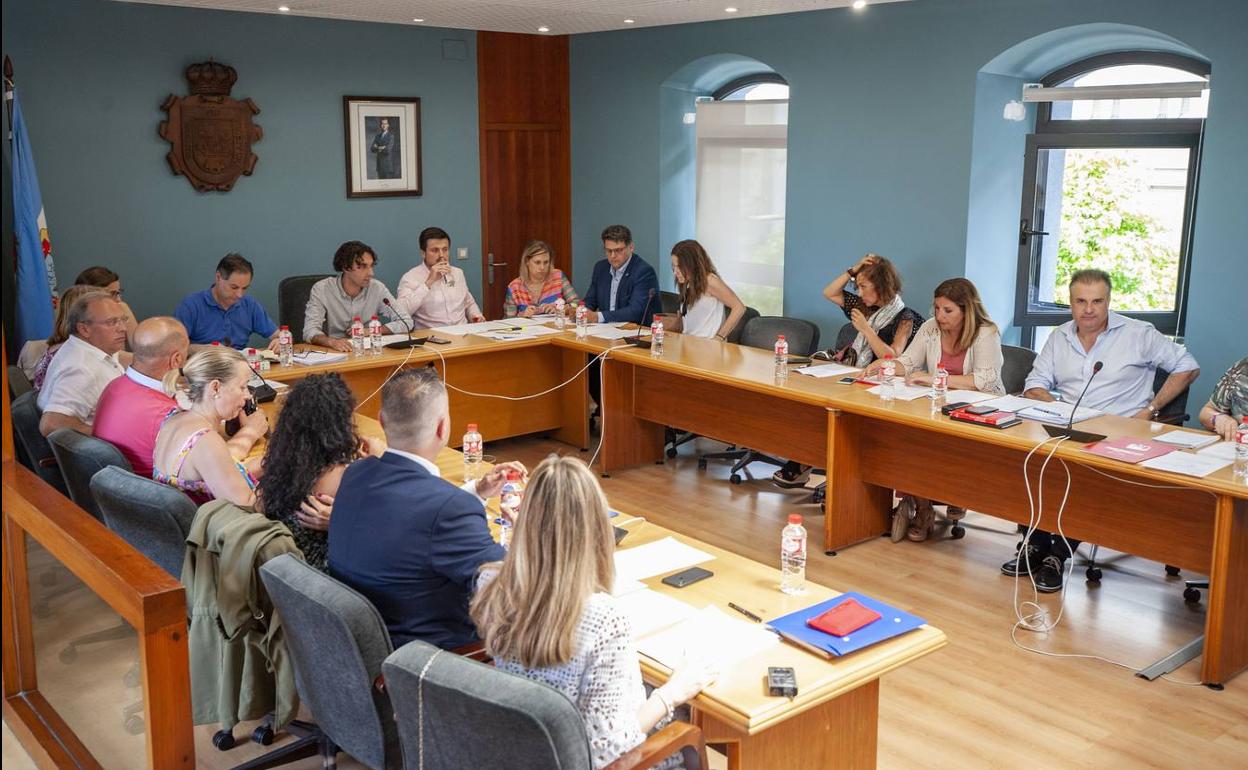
{"points": [[36, 276]]}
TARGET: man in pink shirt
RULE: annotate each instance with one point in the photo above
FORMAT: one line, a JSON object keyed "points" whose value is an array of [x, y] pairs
{"points": [[435, 292], [132, 406]]}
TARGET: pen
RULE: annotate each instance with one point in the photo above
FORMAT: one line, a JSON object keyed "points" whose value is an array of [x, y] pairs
{"points": [[746, 613]]}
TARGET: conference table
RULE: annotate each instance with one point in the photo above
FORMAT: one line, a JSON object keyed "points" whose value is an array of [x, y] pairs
{"points": [[870, 448]]}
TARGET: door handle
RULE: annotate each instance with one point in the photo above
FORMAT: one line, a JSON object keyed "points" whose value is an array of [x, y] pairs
{"points": [[1025, 232], [492, 265]]}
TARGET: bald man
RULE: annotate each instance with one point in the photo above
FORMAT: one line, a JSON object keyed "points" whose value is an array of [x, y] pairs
{"points": [[132, 407]]}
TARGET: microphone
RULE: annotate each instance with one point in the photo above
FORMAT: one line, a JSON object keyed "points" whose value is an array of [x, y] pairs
{"points": [[1068, 431], [410, 342], [637, 338]]}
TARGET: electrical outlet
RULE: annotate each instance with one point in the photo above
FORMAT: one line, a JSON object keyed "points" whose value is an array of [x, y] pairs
{"points": [[461, 253]]}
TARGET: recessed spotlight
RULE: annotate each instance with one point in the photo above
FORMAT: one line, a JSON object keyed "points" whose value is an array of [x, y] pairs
{"points": [[418, 20], [859, 4], [543, 29], [630, 21], [730, 9], [284, 8]]}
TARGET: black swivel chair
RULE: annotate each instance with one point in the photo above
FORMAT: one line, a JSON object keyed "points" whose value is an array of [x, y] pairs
{"points": [[1018, 363], [761, 332], [669, 302], [26, 417], [292, 301], [19, 383]]}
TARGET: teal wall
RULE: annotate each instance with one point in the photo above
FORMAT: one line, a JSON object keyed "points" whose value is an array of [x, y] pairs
{"points": [[92, 75], [882, 127]]}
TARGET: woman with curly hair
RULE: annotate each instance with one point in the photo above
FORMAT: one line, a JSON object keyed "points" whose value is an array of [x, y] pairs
{"points": [[313, 443]]}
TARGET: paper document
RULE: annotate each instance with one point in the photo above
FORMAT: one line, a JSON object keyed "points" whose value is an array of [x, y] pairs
{"points": [[657, 558], [652, 611], [1199, 465], [1011, 403], [477, 328], [1223, 449], [277, 386], [1056, 413], [623, 587], [825, 370], [536, 320], [1189, 439], [969, 396], [709, 636], [903, 392], [316, 358]]}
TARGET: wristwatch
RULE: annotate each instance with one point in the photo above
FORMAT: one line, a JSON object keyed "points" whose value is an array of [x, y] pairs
{"points": [[1153, 412], [851, 273]]}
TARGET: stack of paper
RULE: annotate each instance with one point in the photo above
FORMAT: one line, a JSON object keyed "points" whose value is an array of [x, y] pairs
{"points": [[614, 332], [1224, 450], [1199, 465], [825, 370], [1056, 413], [1188, 439], [657, 558], [652, 611], [316, 358], [709, 636], [968, 396], [903, 392], [1011, 403]]}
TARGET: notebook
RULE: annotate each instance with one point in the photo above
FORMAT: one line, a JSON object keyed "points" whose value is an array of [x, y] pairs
{"points": [[893, 622]]}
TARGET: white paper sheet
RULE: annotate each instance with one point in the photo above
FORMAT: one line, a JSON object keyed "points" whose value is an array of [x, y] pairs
{"points": [[657, 558], [709, 636], [1010, 403], [903, 392], [826, 370], [477, 328], [532, 321], [1223, 449], [1056, 413], [969, 396], [316, 358], [623, 587], [1189, 439], [611, 332], [652, 611], [1199, 465]]}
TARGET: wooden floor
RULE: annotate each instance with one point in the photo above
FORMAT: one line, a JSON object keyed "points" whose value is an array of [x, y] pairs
{"points": [[980, 702]]}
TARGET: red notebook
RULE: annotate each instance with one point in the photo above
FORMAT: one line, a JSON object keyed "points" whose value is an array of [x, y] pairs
{"points": [[843, 619], [1130, 450]]}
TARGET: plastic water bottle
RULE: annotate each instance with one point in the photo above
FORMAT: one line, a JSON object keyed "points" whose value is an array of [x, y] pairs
{"points": [[253, 359], [1241, 450], [656, 336], [888, 377], [793, 556], [474, 449], [285, 345], [374, 335], [357, 337], [940, 384], [561, 318], [782, 359], [582, 320], [510, 499]]}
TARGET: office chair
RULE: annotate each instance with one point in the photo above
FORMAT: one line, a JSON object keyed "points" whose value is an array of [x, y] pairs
{"points": [[514, 722], [1018, 363], [292, 301], [761, 332], [26, 414], [19, 383]]}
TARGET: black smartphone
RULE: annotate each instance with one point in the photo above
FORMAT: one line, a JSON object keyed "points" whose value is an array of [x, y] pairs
{"points": [[847, 380], [437, 340], [687, 577], [620, 534], [955, 406], [980, 409], [234, 424]]}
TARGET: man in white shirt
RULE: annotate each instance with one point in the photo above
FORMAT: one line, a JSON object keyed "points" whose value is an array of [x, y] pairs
{"points": [[1130, 352], [435, 292], [88, 360]]}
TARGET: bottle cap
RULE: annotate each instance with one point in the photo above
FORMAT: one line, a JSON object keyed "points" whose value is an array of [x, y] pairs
{"points": [[356, 318], [780, 337], [216, 343], [888, 356], [472, 427], [795, 518], [285, 328], [513, 474], [374, 318], [251, 351], [658, 317]]}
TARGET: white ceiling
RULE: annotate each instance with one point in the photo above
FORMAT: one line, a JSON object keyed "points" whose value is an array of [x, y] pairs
{"points": [[561, 17]]}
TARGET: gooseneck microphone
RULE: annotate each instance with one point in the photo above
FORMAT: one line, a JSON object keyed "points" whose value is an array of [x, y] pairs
{"points": [[410, 342], [637, 338], [1068, 431]]}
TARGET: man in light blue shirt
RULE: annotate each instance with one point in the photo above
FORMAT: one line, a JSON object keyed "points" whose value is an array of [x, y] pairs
{"points": [[1130, 352]]}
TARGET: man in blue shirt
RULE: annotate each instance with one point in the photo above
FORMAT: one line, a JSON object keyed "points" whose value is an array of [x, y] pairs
{"points": [[223, 312], [1131, 352]]}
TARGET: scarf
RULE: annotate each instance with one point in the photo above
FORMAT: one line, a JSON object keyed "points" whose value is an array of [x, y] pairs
{"points": [[877, 320]]}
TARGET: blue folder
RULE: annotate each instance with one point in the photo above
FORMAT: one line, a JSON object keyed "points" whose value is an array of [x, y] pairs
{"points": [[892, 622]]}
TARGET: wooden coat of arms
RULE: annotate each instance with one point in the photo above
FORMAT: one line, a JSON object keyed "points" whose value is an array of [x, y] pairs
{"points": [[211, 133]]}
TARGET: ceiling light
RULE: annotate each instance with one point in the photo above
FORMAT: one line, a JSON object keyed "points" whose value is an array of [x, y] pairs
{"points": [[284, 8], [418, 20], [730, 9], [859, 4], [630, 21], [543, 29]]}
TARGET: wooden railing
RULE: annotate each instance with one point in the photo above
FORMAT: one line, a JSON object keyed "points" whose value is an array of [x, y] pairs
{"points": [[137, 589]]}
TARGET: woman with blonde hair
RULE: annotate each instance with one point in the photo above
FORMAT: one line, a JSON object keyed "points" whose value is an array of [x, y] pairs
{"points": [[190, 454], [703, 295], [548, 614], [961, 339], [539, 285]]}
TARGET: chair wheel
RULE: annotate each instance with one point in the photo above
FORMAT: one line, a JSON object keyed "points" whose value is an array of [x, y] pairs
{"points": [[1172, 571], [262, 735], [1093, 574], [134, 724], [69, 655], [957, 533], [1191, 595], [223, 740], [735, 478], [701, 464], [671, 452]]}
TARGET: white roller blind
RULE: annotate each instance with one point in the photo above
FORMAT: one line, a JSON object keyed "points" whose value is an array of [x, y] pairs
{"points": [[742, 162]]}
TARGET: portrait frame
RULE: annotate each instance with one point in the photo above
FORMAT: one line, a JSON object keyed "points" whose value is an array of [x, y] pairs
{"points": [[382, 146]]}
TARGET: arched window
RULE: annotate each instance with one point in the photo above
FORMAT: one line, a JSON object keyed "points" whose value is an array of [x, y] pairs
{"points": [[742, 167], [1110, 182]]}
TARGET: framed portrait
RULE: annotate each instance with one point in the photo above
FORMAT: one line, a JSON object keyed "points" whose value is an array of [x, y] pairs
{"points": [[382, 145]]}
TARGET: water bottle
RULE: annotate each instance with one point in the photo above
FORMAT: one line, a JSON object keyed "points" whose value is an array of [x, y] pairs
{"points": [[357, 337], [793, 556], [473, 451], [509, 500], [253, 359], [782, 359], [940, 384], [285, 345], [1241, 450], [374, 335], [582, 320], [888, 375], [656, 336], [561, 318]]}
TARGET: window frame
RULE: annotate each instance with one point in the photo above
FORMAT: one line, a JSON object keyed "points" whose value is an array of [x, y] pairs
{"points": [[745, 81]]}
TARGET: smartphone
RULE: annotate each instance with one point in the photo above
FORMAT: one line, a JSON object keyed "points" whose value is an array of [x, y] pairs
{"points": [[687, 577], [980, 409], [437, 340], [955, 406]]}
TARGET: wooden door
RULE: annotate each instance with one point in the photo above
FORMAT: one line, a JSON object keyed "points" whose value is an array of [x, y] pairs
{"points": [[522, 92]]}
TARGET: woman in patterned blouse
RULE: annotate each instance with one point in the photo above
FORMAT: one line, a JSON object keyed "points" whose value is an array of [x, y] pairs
{"points": [[546, 613], [539, 284]]}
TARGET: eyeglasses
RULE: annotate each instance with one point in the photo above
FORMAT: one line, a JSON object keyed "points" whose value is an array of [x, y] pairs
{"points": [[117, 294], [617, 252], [111, 323]]}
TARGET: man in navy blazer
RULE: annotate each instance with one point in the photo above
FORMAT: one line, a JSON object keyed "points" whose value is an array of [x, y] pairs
{"points": [[622, 283], [411, 542]]}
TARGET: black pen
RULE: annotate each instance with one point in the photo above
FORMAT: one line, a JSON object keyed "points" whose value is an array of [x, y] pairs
{"points": [[746, 613]]}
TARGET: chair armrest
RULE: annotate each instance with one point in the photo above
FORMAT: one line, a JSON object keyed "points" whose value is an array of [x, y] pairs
{"points": [[677, 737]]}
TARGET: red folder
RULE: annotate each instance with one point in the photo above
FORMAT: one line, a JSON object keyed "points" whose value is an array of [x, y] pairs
{"points": [[1130, 450], [844, 619]]}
